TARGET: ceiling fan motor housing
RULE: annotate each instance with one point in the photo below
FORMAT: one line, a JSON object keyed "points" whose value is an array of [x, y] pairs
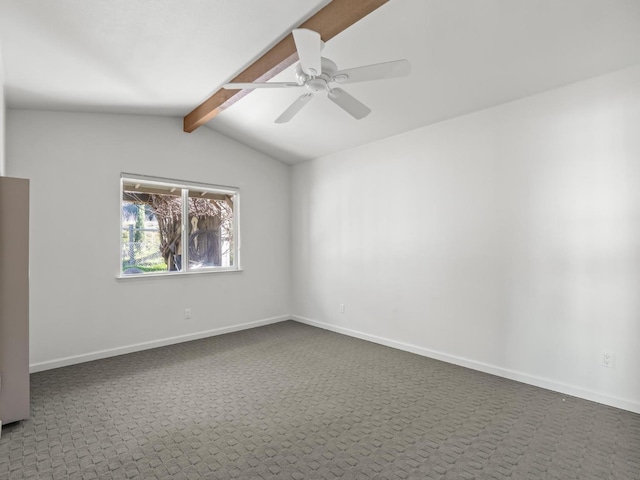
{"points": [[328, 69], [318, 83]]}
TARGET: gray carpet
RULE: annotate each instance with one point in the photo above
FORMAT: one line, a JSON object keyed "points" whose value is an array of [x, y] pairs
{"points": [[289, 401]]}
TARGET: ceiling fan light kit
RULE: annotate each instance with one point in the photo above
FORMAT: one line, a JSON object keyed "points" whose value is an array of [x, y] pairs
{"points": [[319, 75]]}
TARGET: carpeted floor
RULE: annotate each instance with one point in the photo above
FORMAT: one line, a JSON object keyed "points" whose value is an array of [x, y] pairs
{"points": [[289, 401]]}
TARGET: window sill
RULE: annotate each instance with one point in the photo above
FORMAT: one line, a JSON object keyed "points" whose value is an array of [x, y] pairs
{"points": [[178, 274]]}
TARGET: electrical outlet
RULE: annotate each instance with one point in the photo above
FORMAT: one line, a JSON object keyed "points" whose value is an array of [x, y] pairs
{"points": [[342, 308], [187, 313], [608, 359]]}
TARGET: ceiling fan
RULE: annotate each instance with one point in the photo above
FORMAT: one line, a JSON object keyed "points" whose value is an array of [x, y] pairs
{"points": [[319, 75]]}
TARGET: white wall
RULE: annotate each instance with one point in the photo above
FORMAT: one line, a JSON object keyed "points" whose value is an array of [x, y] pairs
{"points": [[507, 240], [74, 163]]}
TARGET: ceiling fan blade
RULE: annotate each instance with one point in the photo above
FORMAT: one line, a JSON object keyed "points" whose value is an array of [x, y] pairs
{"points": [[348, 103], [294, 108], [309, 46], [378, 71], [246, 86]]}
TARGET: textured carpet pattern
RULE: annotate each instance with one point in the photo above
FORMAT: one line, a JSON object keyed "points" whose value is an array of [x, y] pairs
{"points": [[289, 401]]}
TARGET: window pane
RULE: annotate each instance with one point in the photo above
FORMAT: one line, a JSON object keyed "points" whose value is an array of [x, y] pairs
{"points": [[151, 228], [210, 230], [158, 214]]}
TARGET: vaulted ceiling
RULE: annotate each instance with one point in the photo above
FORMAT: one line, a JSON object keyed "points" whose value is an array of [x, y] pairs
{"points": [[165, 57]]}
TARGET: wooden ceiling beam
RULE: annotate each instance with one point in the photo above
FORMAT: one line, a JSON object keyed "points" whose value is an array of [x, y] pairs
{"points": [[334, 18]]}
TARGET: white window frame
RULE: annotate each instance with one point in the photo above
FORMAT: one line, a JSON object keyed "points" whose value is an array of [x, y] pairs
{"points": [[184, 186]]}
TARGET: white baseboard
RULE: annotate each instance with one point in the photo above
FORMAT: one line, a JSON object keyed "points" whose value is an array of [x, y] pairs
{"points": [[625, 404], [112, 352]]}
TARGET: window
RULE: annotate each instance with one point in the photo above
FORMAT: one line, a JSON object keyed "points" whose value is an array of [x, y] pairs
{"points": [[159, 217]]}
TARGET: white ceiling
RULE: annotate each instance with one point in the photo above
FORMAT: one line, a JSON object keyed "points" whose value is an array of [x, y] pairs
{"points": [[164, 57]]}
